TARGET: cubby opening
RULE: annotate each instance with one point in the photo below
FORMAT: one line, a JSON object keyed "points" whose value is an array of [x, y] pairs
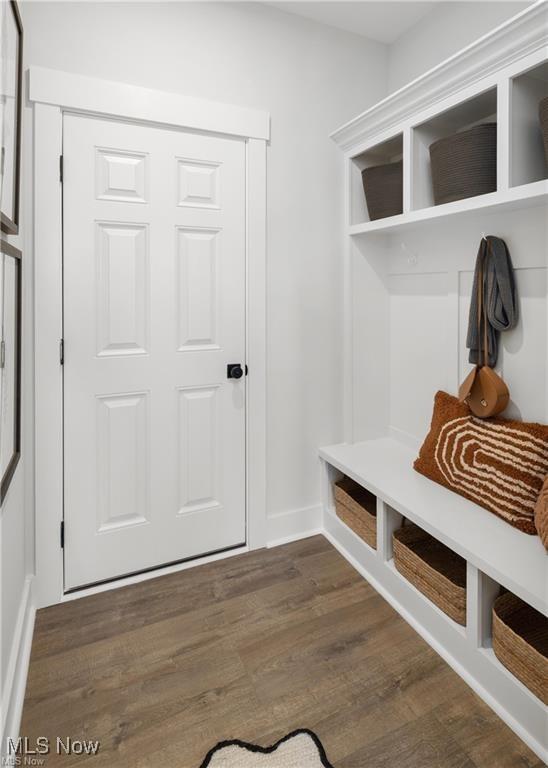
{"points": [[390, 151], [432, 568], [520, 642], [357, 508], [476, 111], [527, 155]]}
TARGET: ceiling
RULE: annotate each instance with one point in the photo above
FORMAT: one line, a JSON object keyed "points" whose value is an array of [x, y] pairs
{"points": [[381, 21]]}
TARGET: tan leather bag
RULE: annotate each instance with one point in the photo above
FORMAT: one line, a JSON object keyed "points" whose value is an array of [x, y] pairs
{"points": [[483, 390]]}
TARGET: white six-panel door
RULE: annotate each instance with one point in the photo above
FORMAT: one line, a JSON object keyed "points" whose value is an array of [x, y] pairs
{"points": [[154, 311]]}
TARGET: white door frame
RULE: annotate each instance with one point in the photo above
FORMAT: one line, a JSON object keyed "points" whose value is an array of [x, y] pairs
{"points": [[52, 93]]}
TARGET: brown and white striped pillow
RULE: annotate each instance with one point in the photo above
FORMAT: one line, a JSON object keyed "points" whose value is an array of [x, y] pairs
{"points": [[497, 463], [541, 514]]}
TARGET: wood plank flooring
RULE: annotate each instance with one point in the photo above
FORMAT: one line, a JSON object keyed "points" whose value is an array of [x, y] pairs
{"points": [[252, 647]]}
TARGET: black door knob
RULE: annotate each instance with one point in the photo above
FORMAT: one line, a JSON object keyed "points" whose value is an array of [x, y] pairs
{"points": [[234, 371]]}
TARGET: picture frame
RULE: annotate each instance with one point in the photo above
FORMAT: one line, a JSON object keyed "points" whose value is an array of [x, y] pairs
{"points": [[11, 81], [10, 363]]}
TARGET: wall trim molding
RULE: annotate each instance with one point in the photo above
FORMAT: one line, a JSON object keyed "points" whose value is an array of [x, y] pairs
{"points": [[521, 35], [108, 97], [15, 682], [295, 524]]}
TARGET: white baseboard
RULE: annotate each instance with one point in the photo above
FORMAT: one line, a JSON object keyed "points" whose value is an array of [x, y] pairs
{"points": [[15, 682], [294, 525]]}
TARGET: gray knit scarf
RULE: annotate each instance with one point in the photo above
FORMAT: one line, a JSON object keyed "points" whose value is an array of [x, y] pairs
{"points": [[499, 296]]}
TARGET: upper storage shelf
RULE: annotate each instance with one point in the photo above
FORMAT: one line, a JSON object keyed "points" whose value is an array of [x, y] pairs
{"points": [[475, 111], [492, 81], [526, 196], [389, 151], [527, 156]]}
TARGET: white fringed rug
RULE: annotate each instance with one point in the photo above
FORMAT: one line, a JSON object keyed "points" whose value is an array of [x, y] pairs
{"points": [[299, 749]]}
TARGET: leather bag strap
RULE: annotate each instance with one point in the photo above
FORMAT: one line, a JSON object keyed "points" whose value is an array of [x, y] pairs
{"points": [[482, 309]]}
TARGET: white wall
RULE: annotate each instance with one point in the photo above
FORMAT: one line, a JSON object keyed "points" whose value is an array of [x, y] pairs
{"points": [[447, 28], [424, 305], [13, 562], [304, 74]]}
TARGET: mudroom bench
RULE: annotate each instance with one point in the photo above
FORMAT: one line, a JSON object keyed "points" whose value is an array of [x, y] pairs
{"points": [[407, 278], [497, 556]]}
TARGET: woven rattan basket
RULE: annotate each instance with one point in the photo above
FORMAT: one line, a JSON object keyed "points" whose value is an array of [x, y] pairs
{"points": [[434, 569], [464, 164], [520, 642], [543, 117], [383, 188], [357, 507]]}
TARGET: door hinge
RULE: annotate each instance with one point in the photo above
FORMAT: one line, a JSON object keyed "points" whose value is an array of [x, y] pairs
{"points": [[2, 353], [61, 352], [61, 167], [62, 534]]}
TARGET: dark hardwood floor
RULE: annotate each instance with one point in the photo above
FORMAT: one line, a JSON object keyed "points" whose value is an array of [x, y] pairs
{"points": [[252, 647]]}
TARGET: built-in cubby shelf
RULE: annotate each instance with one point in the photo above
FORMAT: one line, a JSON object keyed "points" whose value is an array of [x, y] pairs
{"points": [[481, 108], [408, 280], [513, 199], [512, 102], [527, 158], [429, 605], [388, 151]]}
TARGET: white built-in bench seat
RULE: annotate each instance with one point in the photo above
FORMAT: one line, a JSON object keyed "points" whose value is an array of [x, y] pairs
{"points": [[514, 559], [497, 556], [407, 281]]}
